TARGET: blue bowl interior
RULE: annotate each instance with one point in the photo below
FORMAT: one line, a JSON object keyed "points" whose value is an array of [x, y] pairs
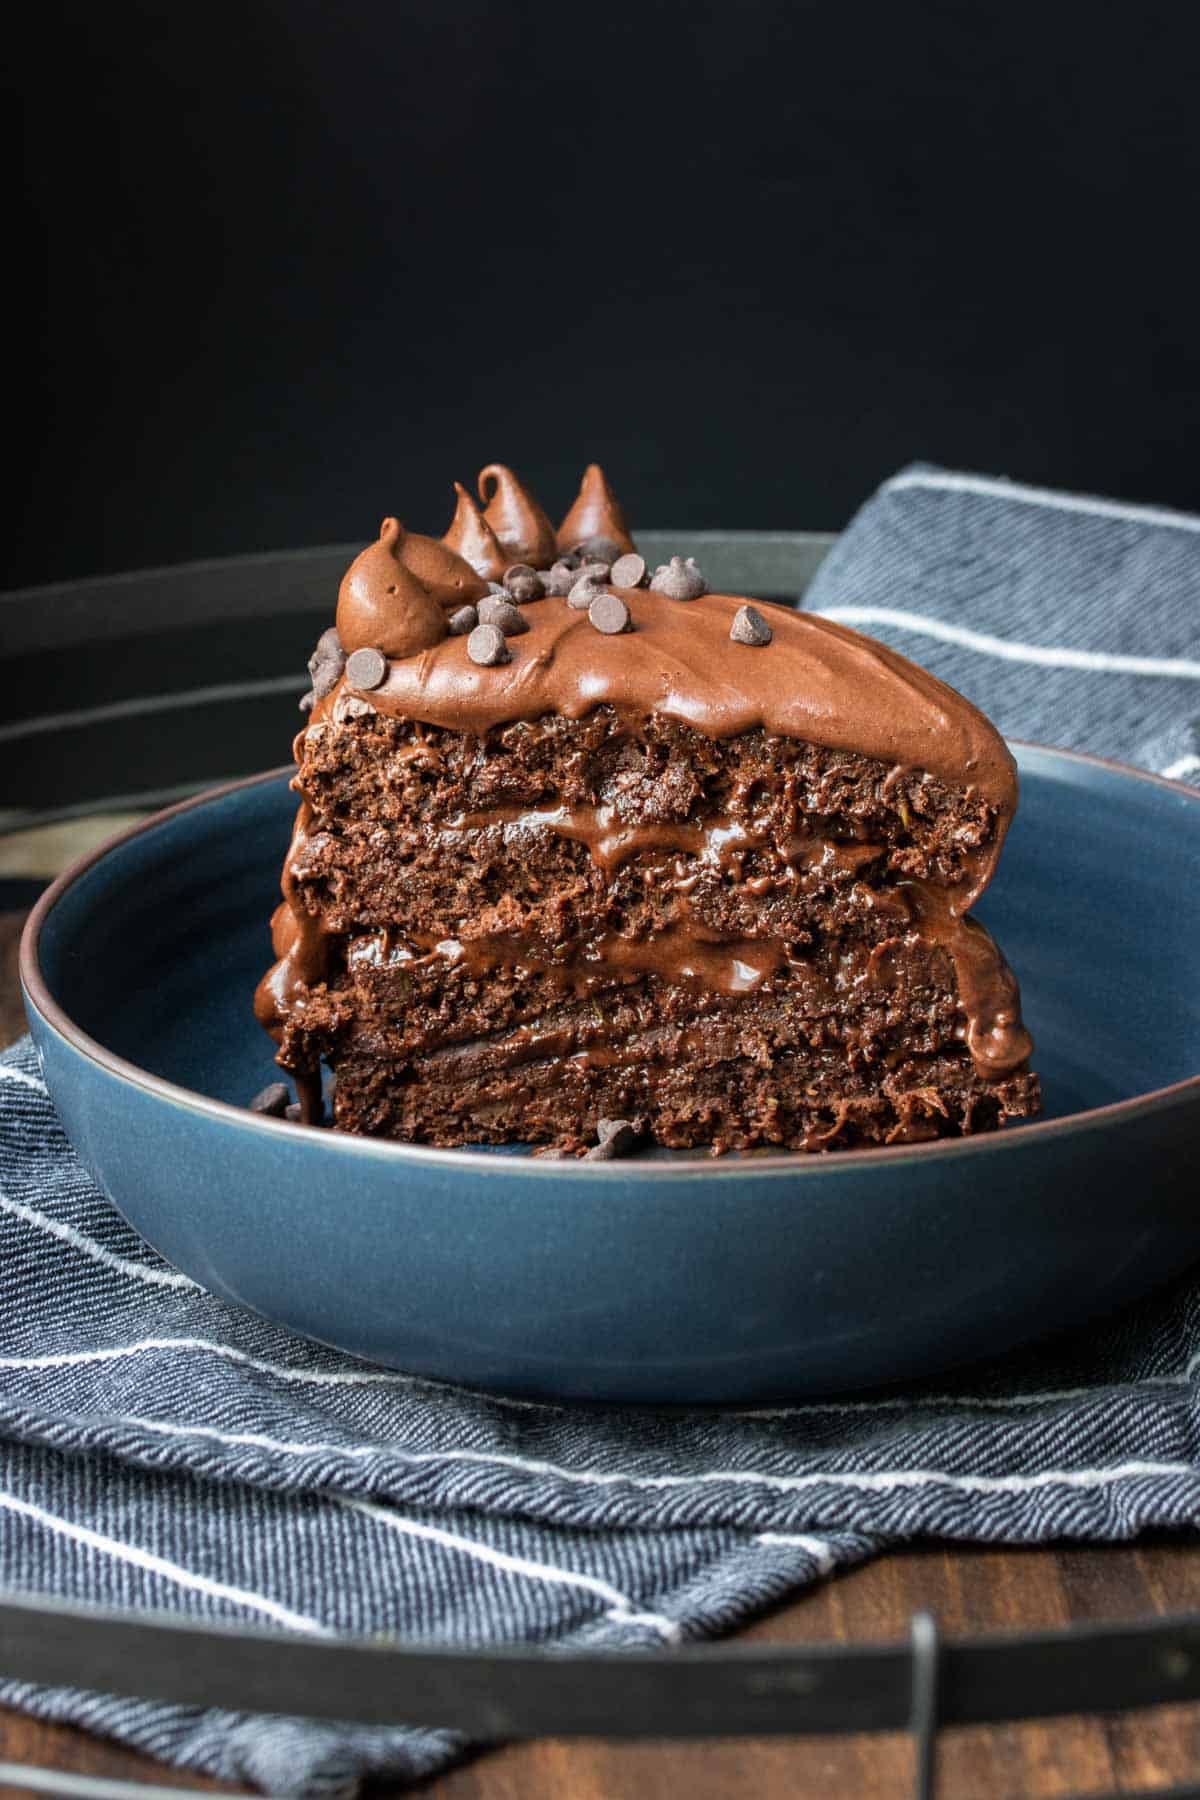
{"points": [[156, 950]]}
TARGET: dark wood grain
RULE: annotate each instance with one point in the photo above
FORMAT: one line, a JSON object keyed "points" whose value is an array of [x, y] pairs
{"points": [[969, 1590]]}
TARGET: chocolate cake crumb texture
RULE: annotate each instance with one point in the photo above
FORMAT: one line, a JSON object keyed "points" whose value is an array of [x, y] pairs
{"points": [[632, 884]]}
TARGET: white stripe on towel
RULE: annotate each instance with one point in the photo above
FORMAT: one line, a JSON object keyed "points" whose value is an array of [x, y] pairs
{"points": [[621, 1607], [871, 1480], [992, 488], [820, 1551], [8, 1073], [1102, 662], [158, 1565], [75, 1359], [86, 1246]]}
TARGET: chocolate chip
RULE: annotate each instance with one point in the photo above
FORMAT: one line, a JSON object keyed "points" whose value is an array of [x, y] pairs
{"points": [[583, 591], [609, 614], [559, 579], [272, 1100], [628, 571], [487, 647], [502, 613], [462, 621], [294, 1113], [617, 1138], [523, 583], [498, 587], [749, 627], [599, 549], [326, 663], [679, 580], [593, 569], [349, 706], [308, 701], [367, 669], [571, 558]]}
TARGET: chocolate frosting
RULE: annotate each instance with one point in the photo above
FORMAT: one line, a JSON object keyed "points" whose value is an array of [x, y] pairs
{"points": [[596, 513], [471, 537], [383, 605], [450, 577], [816, 680], [524, 532]]}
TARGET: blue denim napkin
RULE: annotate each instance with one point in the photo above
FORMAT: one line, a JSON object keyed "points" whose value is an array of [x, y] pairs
{"points": [[161, 1449]]}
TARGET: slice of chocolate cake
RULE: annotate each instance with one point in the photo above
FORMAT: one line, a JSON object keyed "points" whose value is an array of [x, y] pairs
{"points": [[578, 844]]}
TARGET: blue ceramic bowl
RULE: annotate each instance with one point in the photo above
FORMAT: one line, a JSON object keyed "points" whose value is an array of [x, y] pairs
{"points": [[681, 1279]]}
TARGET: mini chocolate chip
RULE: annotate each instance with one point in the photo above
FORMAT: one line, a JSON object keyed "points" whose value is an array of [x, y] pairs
{"points": [[523, 583], [609, 614], [617, 1138], [583, 591], [367, 669], [349, 706], [599, 549], [294, 1113], [462, 621], [510, 619], [594, 569], [571, 558], [498, 587], [326, 663], [487, 647], [679, 580], [749, 627], [272, 1100], [308, 701], [559, 579], [629, 571]]}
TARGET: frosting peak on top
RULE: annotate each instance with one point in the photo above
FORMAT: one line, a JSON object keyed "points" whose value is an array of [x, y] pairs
{"points": [[471, 537], [384, 605], [525, 533], [596, 513]]}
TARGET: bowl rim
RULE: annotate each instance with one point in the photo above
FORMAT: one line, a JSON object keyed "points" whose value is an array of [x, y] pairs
{"points": [[792, 1163]]}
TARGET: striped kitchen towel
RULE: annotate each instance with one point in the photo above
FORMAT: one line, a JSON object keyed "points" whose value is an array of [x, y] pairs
{"points": [[159, 1448], [1070, 620]]}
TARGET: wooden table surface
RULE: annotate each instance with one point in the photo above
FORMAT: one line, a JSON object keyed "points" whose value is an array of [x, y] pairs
{"points": [[968, 1590]]}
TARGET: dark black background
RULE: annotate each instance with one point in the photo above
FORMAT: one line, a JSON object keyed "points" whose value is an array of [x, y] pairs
{"points": [[285, 266]]}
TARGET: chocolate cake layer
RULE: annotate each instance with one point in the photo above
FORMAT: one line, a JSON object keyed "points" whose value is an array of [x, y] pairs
{"points": [[685, 862]]}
